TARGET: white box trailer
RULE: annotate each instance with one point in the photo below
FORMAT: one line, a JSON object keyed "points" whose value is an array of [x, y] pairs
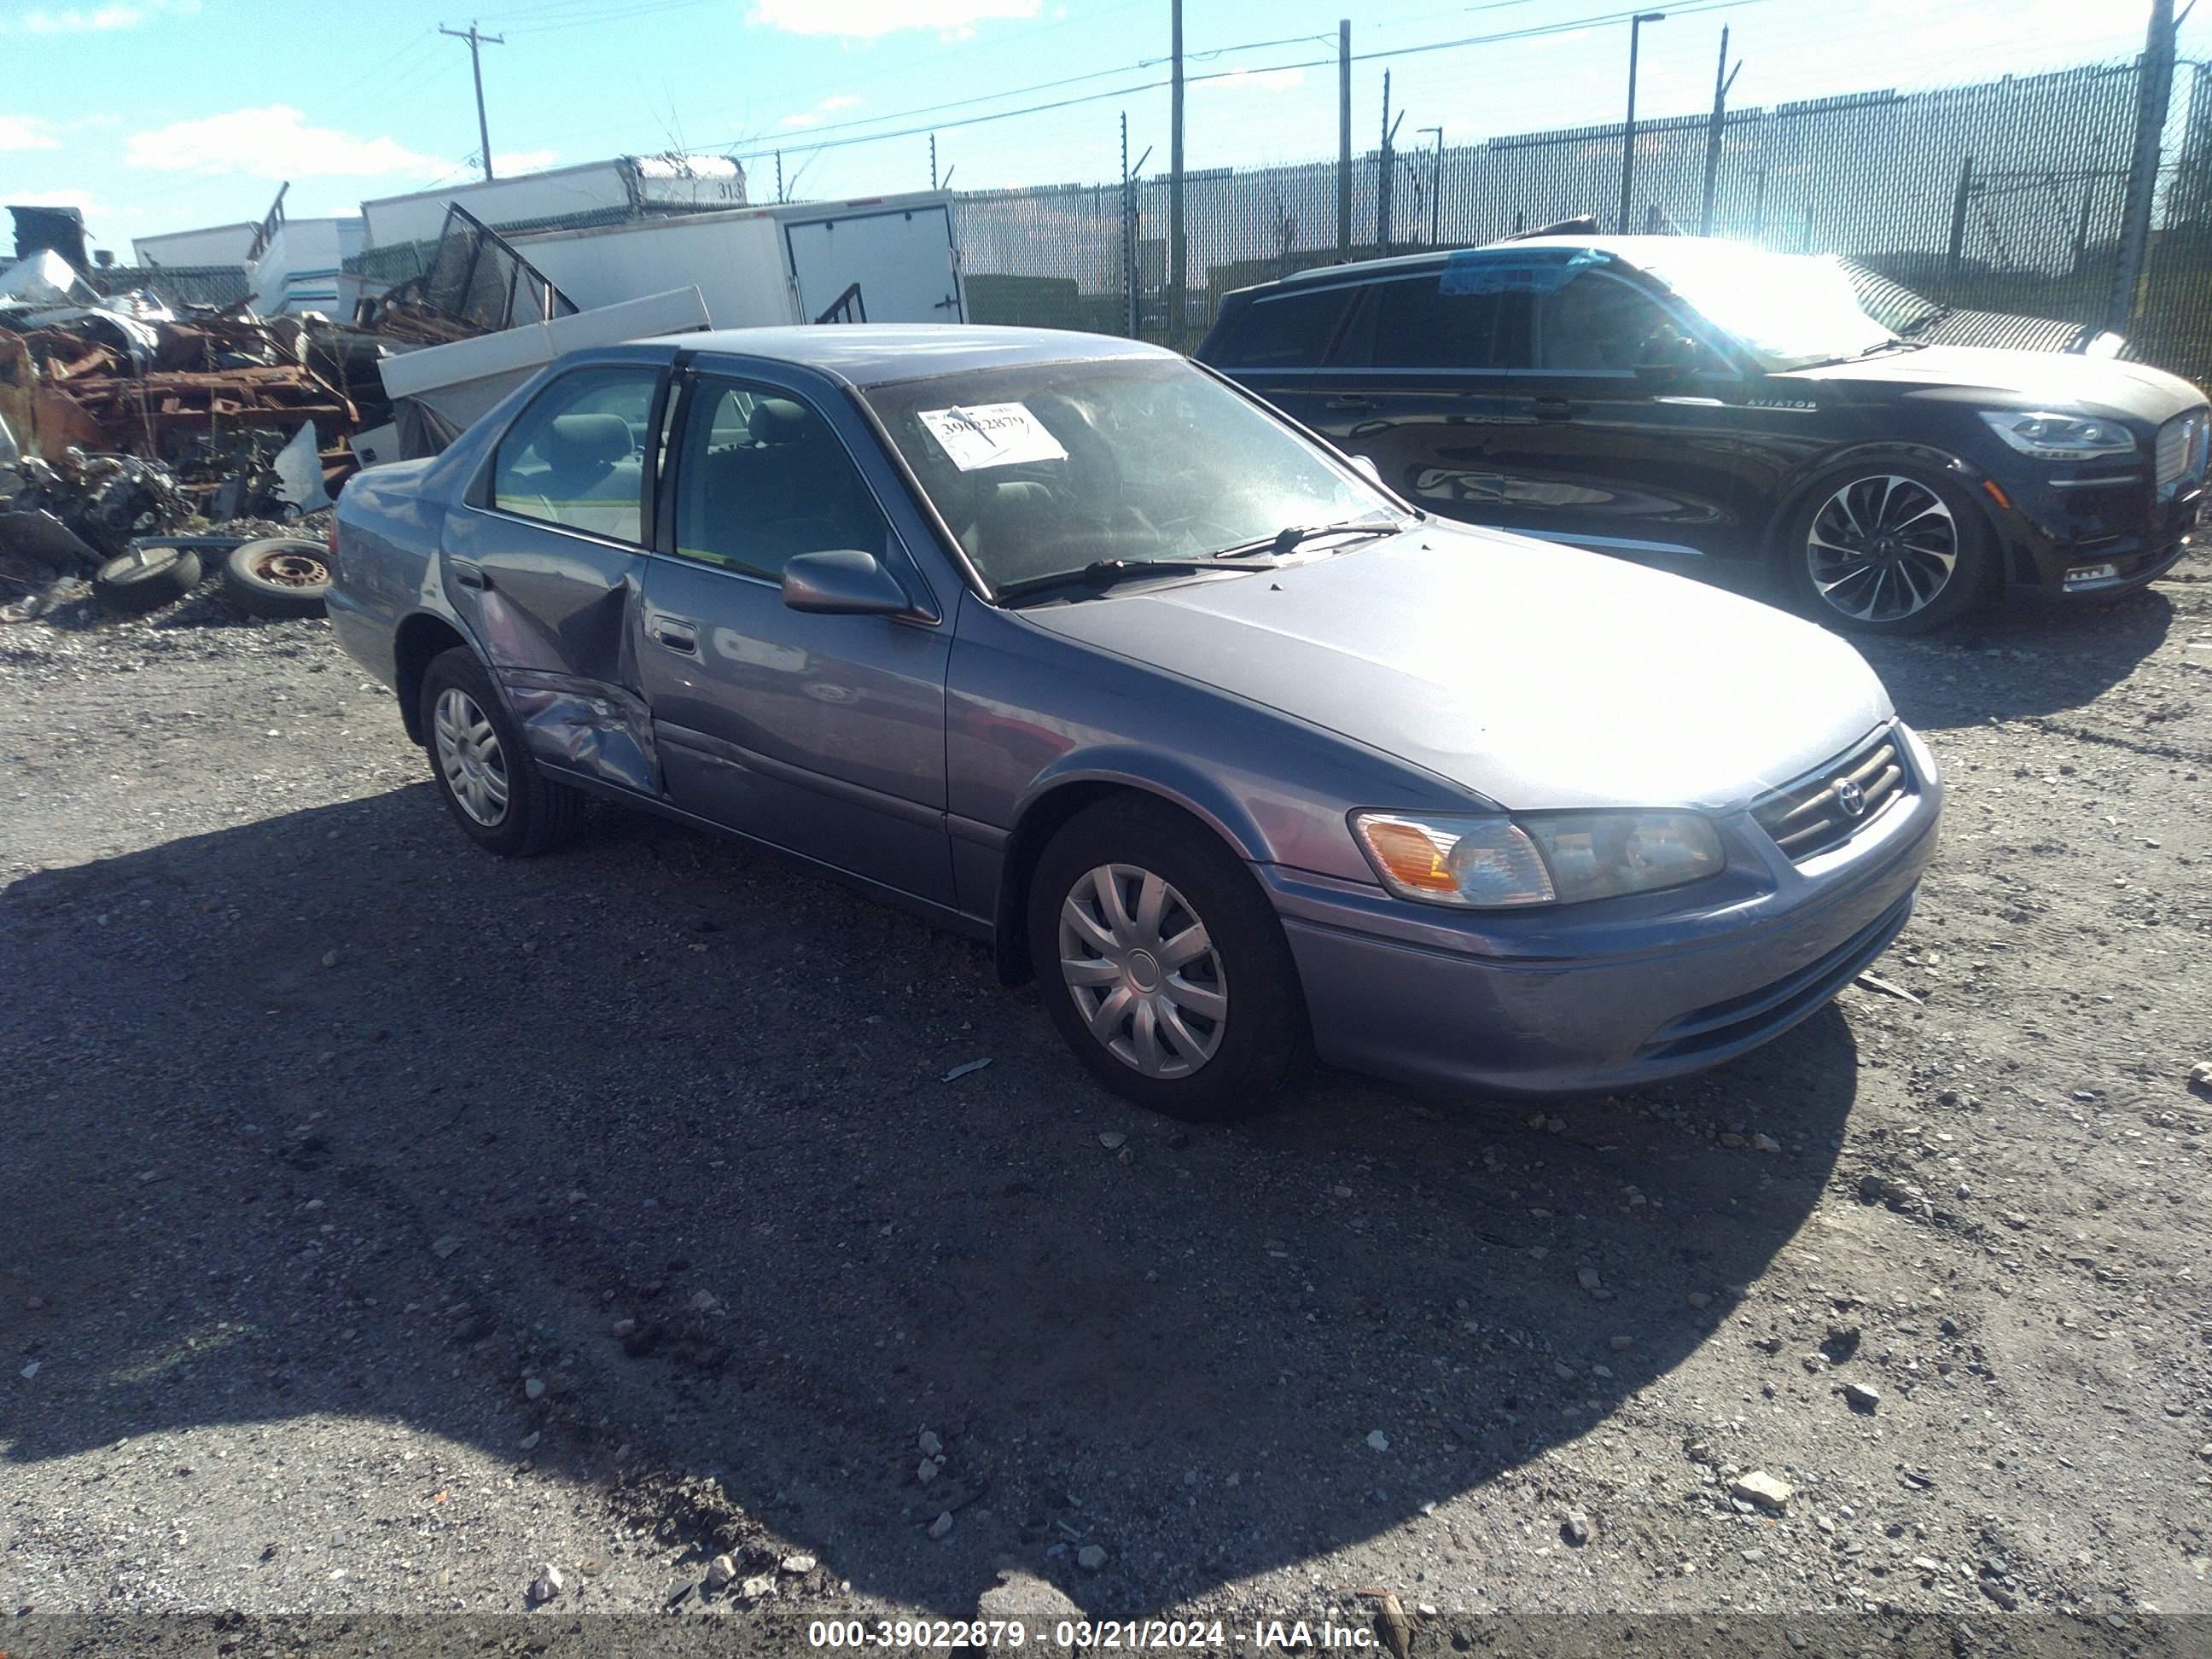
{"points": [[878, 259]]}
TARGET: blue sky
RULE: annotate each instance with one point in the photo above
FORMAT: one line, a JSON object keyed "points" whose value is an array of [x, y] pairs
{"points": [[156, 115]]}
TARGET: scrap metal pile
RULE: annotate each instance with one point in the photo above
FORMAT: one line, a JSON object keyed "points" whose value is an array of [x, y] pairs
{"points": [[124, 419]]}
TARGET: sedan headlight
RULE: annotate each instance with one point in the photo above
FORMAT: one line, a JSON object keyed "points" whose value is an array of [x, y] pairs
{"points": [[2050, 437], [1483, 863]]}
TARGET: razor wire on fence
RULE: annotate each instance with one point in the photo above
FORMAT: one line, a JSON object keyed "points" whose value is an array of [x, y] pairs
{"points": [[2001, 195]]}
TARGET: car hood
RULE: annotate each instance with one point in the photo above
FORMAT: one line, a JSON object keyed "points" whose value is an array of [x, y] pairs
{"points": [[1535, 675], [2019, 379]]}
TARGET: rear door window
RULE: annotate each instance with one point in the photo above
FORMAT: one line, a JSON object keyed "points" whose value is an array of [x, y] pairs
{"points": [[1409, 322], [576, 456], [1286, 331]]}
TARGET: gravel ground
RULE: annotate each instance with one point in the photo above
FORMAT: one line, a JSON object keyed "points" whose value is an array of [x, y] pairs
{"points": [[389, 1222]]}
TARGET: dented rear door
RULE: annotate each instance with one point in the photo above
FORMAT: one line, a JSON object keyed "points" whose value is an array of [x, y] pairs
{"points": [[546, 563]]}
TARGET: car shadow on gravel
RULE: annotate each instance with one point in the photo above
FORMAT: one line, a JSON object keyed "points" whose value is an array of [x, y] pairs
{"points": [[1972, 671], [329, 1117]]}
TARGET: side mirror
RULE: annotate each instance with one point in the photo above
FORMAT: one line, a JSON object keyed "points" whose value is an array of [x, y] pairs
{"points": [[1364, 465], [844, 582], [1666, 355]]}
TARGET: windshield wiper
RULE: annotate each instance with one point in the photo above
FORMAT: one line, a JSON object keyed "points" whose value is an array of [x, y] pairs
{"points": [[1292, 534], [1102, 573]]}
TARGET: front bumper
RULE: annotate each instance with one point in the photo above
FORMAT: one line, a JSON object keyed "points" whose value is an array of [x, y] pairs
{"points": [[2093, 530], [1624, 992]]}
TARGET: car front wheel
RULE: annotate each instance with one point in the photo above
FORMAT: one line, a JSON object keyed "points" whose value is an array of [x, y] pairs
{"points": [[1885, 549], [1162, 963], [486, 777]]}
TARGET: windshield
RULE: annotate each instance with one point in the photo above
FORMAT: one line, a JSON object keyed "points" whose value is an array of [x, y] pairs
{"points": [[1051, 468], [1789, 310]]}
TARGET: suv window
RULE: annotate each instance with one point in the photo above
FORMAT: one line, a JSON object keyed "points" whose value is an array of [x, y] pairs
{"points": [[1409, 322], [1599, 322], [576, 456], [762, 478], [1292, 330]]}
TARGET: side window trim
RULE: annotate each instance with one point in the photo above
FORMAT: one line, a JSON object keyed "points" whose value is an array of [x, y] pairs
{"points": [[483, 493]]}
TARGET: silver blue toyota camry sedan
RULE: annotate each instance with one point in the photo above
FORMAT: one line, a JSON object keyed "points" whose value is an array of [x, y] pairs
{"points": [[1083, 650]]}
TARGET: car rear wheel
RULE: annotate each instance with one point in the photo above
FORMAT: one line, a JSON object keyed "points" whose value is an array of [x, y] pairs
{"points": [[1162, 963], [1886, 549], [483, 773]]}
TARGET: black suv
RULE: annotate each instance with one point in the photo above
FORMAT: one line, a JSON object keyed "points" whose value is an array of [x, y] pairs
{"points": [[1675, 396]]}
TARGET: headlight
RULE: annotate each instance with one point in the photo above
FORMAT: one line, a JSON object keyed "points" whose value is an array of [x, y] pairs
{"points": [[1551, 858], [2050, 437]]}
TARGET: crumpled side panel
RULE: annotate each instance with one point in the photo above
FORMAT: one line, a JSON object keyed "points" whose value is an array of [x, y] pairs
{"points": [[586, 726]]}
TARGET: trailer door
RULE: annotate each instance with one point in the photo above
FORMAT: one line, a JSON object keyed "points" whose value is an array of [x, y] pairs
{"points": [[859, 265]]}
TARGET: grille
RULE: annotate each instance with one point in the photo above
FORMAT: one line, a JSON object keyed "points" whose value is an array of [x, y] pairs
{"points": [[2182, 445], [1808, 817]]}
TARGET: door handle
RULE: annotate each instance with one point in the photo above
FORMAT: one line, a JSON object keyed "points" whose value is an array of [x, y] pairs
{"points": [[1553, 408], [676, 633], [1349, 403], [471, 575]]}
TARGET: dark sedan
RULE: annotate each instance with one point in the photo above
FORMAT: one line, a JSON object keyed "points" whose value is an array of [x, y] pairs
{"points": [[1682, 399], [1076, 648]]}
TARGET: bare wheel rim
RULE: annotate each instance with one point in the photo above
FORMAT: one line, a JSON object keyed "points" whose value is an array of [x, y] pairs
{"points": [[289, 568], [470, 758], [1146, 976], [1882, 548]]}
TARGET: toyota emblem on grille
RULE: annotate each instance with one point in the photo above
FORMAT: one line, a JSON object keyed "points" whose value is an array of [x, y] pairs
{"points": [[1850, 796]]}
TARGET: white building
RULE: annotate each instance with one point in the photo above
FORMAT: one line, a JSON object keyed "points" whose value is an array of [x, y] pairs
{"points": [[217, 245], [301, 267]]}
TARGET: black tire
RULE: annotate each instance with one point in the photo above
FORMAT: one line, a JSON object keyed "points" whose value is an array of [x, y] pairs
{"points": [[1844, 506], [536, 814], [1262, 1034], [147, 577], [278, 576]]}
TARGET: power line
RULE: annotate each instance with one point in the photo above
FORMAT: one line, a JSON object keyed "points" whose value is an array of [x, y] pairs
{"points": [[1533, 32]]}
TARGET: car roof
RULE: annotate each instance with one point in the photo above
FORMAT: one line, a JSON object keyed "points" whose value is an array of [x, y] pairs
{"points": [[872, 353], [1631, 250]]}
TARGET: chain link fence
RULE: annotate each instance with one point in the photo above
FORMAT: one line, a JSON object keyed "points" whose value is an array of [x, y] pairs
{"points": [[2001, 195]]}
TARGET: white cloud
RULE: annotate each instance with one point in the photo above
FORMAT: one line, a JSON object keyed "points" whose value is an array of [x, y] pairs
{"points": [[103, 20], [508, 162], [864, 20], [275, 142], [813, 118], [25, 132]]}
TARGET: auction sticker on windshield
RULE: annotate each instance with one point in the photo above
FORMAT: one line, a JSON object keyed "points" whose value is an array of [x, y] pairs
{"points": [[991, 435]]}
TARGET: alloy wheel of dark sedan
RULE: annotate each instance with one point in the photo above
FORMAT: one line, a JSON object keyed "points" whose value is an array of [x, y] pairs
{"points": [[1882, 548]]}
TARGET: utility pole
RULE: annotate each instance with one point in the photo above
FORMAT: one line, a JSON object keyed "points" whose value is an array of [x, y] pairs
{"points": [[1343, 139], [475, 68], [1723, 78], [1176, 272], [1383, 177], [1628, 129], [1133, 279], [933, 160], [2154, 86], [779, 175], [1435, 186]]}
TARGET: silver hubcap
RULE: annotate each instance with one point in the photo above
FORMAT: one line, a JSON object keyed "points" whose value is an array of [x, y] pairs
{"points": [[1882, 548], [1143, 970], [470, 758]]}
